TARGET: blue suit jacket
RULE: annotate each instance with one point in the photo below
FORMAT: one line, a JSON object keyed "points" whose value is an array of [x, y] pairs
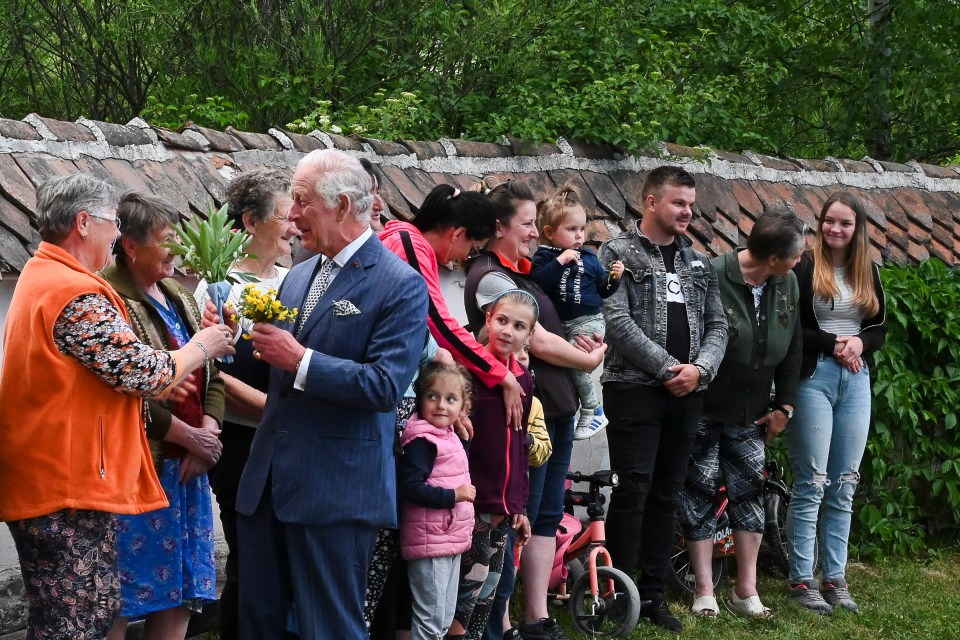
{"points": [[328, 450]]}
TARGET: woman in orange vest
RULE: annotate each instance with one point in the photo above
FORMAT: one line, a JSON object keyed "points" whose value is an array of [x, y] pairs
{"points": [[73, 450]]}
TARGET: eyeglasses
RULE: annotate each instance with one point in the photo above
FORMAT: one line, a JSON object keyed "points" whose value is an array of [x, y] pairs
{"points": [[114, 219]]}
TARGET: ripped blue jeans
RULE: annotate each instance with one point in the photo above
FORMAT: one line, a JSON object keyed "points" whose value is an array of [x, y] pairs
{"points": [[825, 440]]}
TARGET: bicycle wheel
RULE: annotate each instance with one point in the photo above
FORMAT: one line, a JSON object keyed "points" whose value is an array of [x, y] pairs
{"points": [[681, 574], [613, 612], [775, 504]]}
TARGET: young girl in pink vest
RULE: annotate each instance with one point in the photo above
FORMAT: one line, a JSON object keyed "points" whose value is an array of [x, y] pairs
{"points": [[436, 510]]}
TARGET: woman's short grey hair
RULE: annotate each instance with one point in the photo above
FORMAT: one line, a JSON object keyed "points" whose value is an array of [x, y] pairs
{"points": [[778, 232], [140, 215], [59, 200], [341, 174], [256, 193]]}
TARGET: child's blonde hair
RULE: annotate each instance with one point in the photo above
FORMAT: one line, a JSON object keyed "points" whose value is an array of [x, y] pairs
{"points": [[433, 371], [554, 208]]}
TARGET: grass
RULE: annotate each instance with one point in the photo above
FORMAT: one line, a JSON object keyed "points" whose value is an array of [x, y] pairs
{"points": [[899, 599]]}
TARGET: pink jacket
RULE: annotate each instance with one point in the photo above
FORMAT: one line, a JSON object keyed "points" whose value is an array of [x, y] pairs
{"points": [[443, 326], [437, 533]]}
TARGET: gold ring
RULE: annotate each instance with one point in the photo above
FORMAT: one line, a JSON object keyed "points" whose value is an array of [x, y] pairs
{"points": [[256, 354]]}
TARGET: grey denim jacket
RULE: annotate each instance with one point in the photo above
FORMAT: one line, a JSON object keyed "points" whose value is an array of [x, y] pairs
{"points": [[636, 315]]}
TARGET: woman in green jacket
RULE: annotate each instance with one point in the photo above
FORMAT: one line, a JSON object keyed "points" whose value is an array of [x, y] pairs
{"points": [[759, 293]]}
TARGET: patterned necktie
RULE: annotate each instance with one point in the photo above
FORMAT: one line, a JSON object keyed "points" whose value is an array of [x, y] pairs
{"points": [[316, 292]]}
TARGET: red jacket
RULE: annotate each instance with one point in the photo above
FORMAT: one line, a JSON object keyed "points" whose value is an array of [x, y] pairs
{"points": [[443, 326]]}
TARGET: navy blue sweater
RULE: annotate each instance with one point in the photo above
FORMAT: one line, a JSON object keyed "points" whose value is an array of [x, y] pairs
{"points": [[576, 288]]}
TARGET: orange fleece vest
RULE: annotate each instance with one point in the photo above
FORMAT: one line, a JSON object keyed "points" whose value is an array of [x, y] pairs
{"points": [[67, 439]]}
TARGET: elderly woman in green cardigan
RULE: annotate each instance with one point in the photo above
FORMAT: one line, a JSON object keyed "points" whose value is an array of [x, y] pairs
{"points": [[166, 557], [759, 293]]}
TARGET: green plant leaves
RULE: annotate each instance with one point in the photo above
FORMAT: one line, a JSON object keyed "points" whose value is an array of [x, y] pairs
{"points": [[210, 247]]}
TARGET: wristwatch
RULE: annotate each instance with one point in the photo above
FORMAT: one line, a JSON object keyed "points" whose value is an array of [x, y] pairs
{"points": [[782, 409]]}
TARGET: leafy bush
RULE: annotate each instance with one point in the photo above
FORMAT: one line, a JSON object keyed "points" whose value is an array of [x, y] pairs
{"points": [[911, 472]]}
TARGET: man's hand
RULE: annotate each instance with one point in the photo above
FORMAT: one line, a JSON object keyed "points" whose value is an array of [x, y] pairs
{"points": [[616, 270], [276, 346], [687, 379]]}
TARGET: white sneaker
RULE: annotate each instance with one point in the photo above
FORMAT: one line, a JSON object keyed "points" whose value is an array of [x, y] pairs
{"points": [[590, 424]]}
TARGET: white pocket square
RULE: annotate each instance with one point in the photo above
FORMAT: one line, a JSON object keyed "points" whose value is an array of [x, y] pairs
{"points": [[345, 308]]}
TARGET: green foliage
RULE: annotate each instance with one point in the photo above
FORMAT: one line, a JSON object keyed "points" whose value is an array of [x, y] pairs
{"points": [[806, 78], [911, 473], [210, 247]]}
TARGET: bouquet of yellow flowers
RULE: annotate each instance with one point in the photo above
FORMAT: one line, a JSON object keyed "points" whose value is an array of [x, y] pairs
{"points": [[257, 305]]}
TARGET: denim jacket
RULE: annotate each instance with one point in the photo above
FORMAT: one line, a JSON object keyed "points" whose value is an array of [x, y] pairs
{"points": [[636, 315]]}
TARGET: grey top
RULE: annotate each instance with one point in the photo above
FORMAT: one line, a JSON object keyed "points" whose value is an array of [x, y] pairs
{"points": [[839, 316]]}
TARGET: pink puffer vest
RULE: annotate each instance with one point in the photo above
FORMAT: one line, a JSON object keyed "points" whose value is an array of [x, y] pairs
{"points": [[437, 533]]}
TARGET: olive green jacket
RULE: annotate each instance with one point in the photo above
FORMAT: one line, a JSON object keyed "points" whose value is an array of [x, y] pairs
{"points": [[149, 327], [756, 355]]}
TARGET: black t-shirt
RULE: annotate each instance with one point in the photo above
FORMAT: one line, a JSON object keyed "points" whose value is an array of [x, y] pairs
{"points": [[678, 327]]}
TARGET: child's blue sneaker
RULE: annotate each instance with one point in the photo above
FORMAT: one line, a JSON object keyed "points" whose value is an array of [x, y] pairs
{"points": [[591, 422]]}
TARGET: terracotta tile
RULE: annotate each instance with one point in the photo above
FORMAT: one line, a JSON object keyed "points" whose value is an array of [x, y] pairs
{"points": [[424, 183], [808, 204], [121, 172], [876, 255], [465, 181], [471, 149], [914, 204], [718, 193], [595, 151], [344, 144], [303, 143], [425, 150], [942, 206], [95, 168], [562, 176], [16, 185], [918, 252], [397, 206], [122, 135], [540, 183], [811, 164], [403, 187], [917, 233], [597, 230], [68, 131], [896, 167], [605, 192], [219, 141], [893, 253], [208, 176], [734, 157], [18, 130], [780, 164], [183, 174], [725, 229], [675, 150], [14, 253], [163, 184], [943, 252], [252, 140], [857, 166], [773, 194], [877, 237], [177, 140], [630, 184], [386, 147], [897, 236], [935, 171], [746, 196], [892, 209], [956, 246], [40, 167], [16, 220], [742, 221]]}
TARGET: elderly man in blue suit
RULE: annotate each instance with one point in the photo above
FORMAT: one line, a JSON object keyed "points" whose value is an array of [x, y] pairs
{"points": [[320, 480]]}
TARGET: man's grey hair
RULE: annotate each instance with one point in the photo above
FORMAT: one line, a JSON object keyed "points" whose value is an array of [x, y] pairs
{"points": [[341, 174], [59, 200]]}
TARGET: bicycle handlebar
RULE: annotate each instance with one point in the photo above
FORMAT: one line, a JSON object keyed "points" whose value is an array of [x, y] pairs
{"points": [[606, 478]]}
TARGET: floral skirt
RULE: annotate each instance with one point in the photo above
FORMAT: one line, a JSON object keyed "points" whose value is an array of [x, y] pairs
{"points": [[166, 557]]}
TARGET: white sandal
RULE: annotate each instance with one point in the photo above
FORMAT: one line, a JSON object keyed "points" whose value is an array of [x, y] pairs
{"points": [[705, 606], [748, 607]]}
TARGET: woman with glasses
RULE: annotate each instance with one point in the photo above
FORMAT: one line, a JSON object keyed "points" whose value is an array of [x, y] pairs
{"points": [[73, 449]]}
